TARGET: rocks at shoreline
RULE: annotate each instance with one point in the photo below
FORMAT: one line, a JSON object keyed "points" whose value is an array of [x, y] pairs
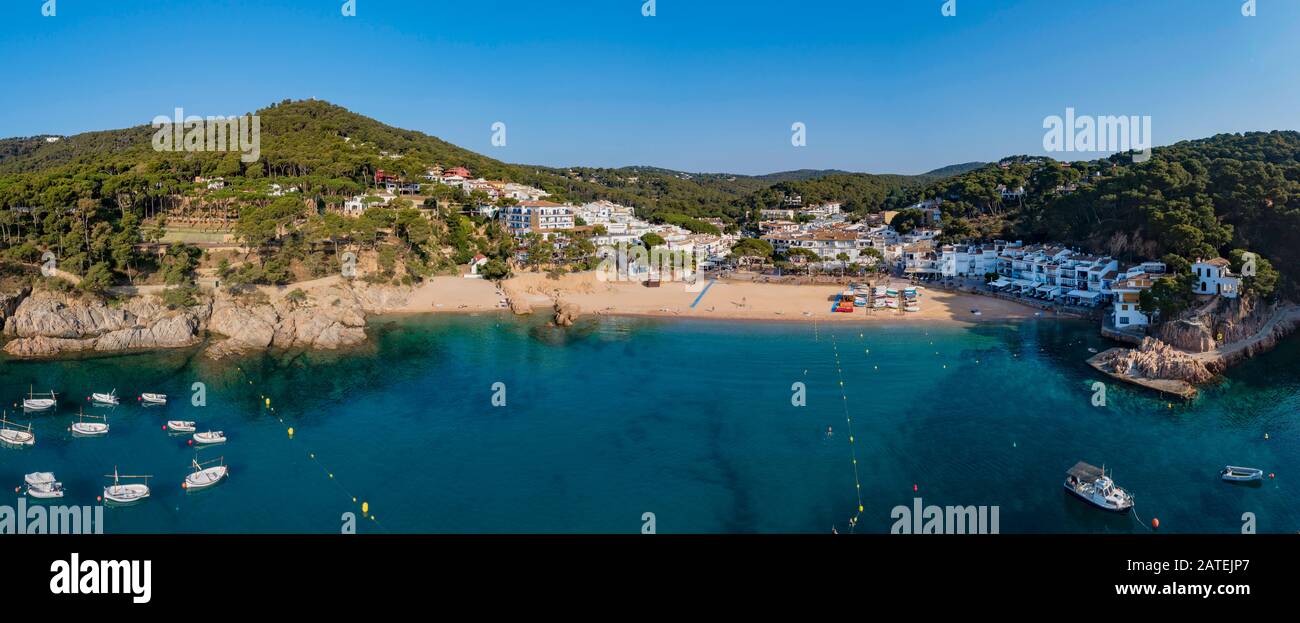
{"points": [[1154, 360], [50, 323], [566, 313], [331, 319], [47, 323]]}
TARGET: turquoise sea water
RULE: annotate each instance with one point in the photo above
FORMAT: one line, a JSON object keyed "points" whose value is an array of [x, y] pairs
{"points": [[689, 420]]}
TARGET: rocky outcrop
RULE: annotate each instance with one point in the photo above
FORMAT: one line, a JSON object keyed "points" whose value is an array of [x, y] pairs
{"points": [[329, 319], [565, 313], [47, 324], [1154, 360], [50, 323]]}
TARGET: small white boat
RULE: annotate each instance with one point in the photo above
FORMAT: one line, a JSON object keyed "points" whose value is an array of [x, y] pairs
{"points": [[43, 485], [1092, 485], [154, 399], [212, 436], [16, 436], [39, 402], [129, 493], [1241, 474], [204, 477], [89, 429], [180, 426], [105, 399]]}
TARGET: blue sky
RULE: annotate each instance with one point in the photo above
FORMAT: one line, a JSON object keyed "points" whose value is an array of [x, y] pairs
{"points": [[705, 85]]}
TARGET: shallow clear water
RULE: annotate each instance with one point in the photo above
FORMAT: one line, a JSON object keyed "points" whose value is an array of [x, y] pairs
{"points": [[690, 420]]}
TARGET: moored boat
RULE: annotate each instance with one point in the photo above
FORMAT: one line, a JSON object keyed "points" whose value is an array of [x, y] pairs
{"points": [[15, 434], [105, 399], [43, 485], [1233, 473], [129, 493], [180, 426], [39, 402], [1091, 484], [153, 399], [203, 477], [89, 429], [209, 437]]}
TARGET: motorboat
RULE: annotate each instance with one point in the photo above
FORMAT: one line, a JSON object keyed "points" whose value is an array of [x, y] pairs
{"points": [[209, 437], [39, 402], [18, 435], [128, 493], [105, 399], [203, 477], [153, 399], [90, 429], [180, 426], [1241, 474], [43, 485], [1091, 484]]}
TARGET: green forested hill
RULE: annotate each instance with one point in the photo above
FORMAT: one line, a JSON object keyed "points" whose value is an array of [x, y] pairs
{"points": [[329, 150]]}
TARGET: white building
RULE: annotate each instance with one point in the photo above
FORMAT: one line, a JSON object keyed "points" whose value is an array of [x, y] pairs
{"points": [[1128, 294], [543, 217], [1215, 277]]}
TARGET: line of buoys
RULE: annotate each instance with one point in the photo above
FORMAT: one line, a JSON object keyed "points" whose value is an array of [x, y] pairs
{"points": [[329, 475], [848, 419]]}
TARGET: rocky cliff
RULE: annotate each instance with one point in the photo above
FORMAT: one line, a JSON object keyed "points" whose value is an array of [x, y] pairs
{"points": [[1222, 321], [47, 324]]}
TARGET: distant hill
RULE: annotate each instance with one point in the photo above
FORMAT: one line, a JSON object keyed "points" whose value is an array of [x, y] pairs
{"points": [[955, 169], [330, 150]]}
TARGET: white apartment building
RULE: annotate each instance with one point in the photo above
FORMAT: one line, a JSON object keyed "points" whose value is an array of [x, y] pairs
{"points": [[543, 217]]}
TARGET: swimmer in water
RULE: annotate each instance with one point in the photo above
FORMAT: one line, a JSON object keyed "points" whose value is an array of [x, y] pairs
{"points": [[828, 431]]}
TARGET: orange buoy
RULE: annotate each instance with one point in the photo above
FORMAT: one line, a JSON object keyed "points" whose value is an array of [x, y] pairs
{"points": [[1272, 475], [99, 498], [914, 487], [190, 442], [1155, 523]]}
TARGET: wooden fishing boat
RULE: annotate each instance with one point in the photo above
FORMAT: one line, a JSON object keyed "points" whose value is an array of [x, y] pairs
{"points": [[39, 402], [18, 435], [83, 428], [129, 493], [203, 477]]}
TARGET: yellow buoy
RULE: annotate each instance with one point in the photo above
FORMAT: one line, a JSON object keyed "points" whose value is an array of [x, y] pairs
{"points": [[291, 432], [365, 507], [268, 402]]}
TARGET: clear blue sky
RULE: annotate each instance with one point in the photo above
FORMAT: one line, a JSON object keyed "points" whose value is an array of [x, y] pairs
{"points": [[706, 85]]}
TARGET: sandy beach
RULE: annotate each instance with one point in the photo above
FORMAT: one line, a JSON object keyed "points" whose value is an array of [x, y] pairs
{"points": [[729, 300]]}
